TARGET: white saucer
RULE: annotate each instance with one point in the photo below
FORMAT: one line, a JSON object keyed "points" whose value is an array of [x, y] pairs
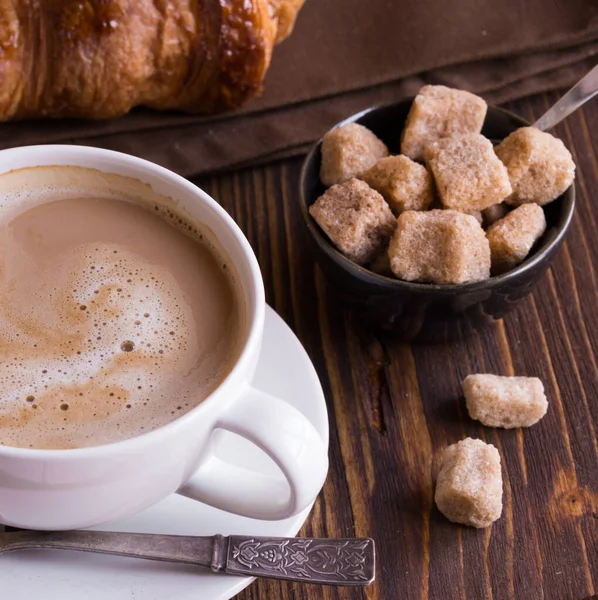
{"points": [[285, 371]]}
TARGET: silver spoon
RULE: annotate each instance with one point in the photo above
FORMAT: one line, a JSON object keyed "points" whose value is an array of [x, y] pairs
{"points": [[308, 560], [584, 90]]}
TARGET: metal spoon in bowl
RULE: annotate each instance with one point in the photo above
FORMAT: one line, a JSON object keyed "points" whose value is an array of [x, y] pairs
{"points": [[584, 90], [348, 562]]}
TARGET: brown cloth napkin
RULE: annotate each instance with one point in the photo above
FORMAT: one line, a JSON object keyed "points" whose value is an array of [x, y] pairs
{"points": [[346, 55]]}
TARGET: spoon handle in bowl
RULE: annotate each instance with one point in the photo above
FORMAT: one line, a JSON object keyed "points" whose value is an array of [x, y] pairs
{"points": [[347, 562], [584, 90]]}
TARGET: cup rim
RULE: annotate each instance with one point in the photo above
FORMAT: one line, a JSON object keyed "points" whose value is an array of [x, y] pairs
{"points": [[396, 285], [254, 320]]}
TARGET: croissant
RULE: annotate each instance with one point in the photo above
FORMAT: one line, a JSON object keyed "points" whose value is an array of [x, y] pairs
{"points": [[100, 58]]}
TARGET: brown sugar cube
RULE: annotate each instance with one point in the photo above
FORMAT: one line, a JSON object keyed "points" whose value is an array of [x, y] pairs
{"points": [[512, 237], [505, 401], [439, 246], [439, 112], [540, 167], [405, 185], [356, 218], [469, 484], [348, 152], [467, 173], [476, 214], [494, 213]]}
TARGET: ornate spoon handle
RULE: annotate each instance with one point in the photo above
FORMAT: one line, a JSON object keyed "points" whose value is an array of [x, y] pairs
{"points": [[312, 560], [327, 561]]}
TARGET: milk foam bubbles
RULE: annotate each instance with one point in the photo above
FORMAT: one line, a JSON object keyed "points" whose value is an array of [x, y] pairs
{"points": [[112, 323]]}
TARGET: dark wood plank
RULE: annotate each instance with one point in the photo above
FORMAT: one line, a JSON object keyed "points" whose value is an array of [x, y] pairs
{"points": [[394, 407]]}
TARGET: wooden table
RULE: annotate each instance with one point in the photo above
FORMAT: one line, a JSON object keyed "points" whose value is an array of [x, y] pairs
{"points": [[394, 407]]}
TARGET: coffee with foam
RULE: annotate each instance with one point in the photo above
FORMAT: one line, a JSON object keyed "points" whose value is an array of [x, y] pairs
{"points": [[117, 313]]}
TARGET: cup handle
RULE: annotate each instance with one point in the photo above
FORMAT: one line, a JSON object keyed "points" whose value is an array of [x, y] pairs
{"points": [[288, 438]]}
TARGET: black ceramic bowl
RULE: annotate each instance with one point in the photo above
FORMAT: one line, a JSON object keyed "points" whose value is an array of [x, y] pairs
{"points": [[423, 311]]}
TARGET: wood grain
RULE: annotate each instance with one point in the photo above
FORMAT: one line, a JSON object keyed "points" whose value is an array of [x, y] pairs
{"points": [[394, 407]]}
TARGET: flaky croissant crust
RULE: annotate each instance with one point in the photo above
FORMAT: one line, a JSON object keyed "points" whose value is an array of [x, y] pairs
{"points": [[100, 58]]}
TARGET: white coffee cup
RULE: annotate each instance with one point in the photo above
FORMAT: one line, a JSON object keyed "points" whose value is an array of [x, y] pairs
{"points": [[68, 489]]}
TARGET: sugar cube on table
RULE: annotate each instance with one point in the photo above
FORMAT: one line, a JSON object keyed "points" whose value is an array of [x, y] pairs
{"points": [[540, 166], [467, 172], [356, 218], [348, 152], [439, 246], [469, 484], [404, 184], [494, 213], [512, 237], [506, 402], [437, 112]]}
